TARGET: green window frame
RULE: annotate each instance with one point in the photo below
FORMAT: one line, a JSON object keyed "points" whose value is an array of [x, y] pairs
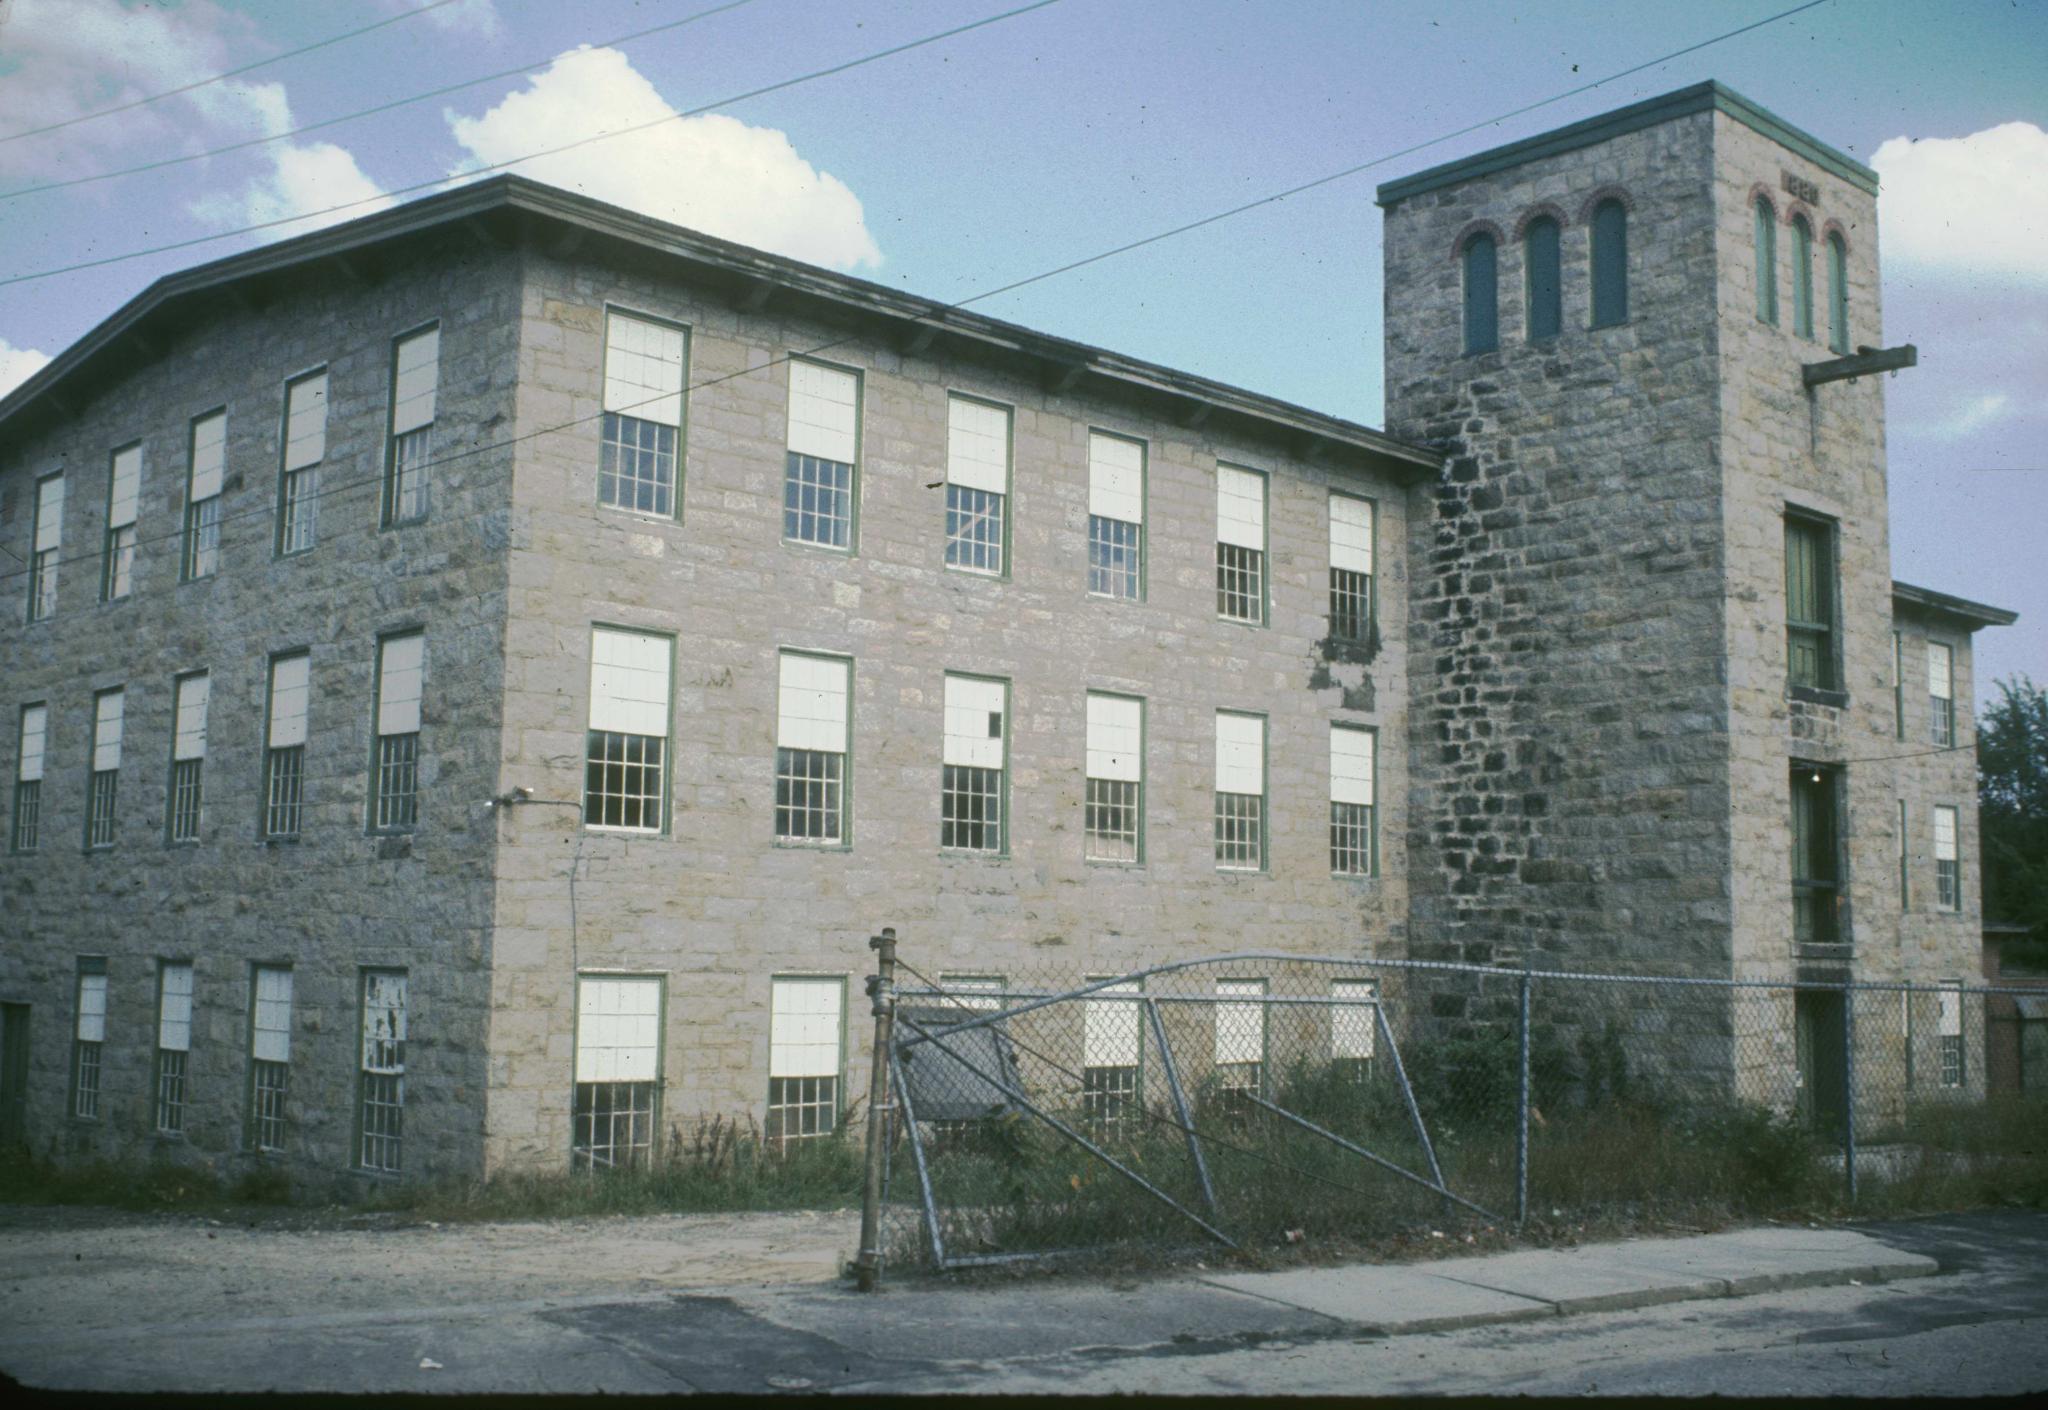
{"points": [[1543, 276], [1766, 262], [1810, 598], [1481, 261], [1838, 294], [1802, 277], [1816, 855], [1610, 263]]}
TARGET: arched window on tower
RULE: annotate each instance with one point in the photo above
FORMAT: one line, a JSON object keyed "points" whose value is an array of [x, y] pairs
{"points": [[1802, 277], [1838, 294], [1766, 263], [1482, 295], [1539, 257], [1610, 264]]}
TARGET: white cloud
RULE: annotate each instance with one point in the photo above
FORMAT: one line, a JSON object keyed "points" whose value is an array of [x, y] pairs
{"points": [[712, 173], [477, 17], [1975, 206], [308, 176], [17, 365], [1973, 415]]}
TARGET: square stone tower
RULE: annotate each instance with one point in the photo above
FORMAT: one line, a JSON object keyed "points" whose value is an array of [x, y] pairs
{"points": [[1652, 637]]}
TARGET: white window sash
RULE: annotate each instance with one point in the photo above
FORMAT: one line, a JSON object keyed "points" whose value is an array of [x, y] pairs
{"points": [[1116, 478], [271, 1034], [1240, 1028], [979, 993], [1945, 834], [174, 1008], [125, 493], [291, 691], [49, 513], [194, 694], [401, 674], [643, 369], [1240, 507], [978, 445], [1350, 534], [1351, 765], [824, 412], [305, 418], [1940, 671], [92, 1008], [416, 381], [1949, 1015], [806, 1018], [35, 723], [1115, 737], [618, 1028], [209, 455], [1109, 1028], [108, 712], [1240, 754], [811, 702], [629, 683], [972, 706], [1352, 1022]]}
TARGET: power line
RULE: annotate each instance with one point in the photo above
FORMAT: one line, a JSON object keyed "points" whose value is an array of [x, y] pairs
{"points": [[377, 478], [364, 112], [544, 152], [230, 73]]}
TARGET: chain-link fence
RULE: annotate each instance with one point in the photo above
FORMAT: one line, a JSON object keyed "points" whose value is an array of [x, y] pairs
{"points": [[1263, 1099]]}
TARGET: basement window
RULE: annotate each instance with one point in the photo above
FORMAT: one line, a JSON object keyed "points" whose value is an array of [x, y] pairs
{"points": [[173, 1043], [1240, 1052], [1353, 1032], [618, 1071], [270, 1057], [806, 1052], [381, 1118], [1112, 1045], [89, 1038]]}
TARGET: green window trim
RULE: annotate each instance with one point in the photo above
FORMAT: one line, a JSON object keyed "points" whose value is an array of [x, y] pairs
{"points": [[1810, 614], [1802, 277], [1543, 279], [1766, 263], [1838, 294], [1610, 264], [1482, 294]]}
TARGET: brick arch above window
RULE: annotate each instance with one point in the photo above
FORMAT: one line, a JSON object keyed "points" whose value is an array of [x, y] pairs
{"points": [[1600, 196], [1537, 212], [1796, 210], [1835, 230], [1469, 231], [1762, 192]]}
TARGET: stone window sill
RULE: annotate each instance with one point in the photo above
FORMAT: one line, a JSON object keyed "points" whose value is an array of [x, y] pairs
{"points": [[1814, 695]]}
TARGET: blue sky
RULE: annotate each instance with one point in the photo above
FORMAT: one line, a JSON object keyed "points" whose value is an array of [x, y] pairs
{"points": [[1048, 137]]}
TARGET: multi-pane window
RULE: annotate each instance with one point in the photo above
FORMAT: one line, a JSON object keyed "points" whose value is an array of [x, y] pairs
{"points": [[1482, 294], [205, 464], [819, 483], [1240, 544], [395, 772], [48, 550], [971, 785], [1610, 264], [1941, 693], [1542, 269], [284, 753], [811, 745], [1115, 779], [1240, 791], [626, 750], [1766, 262], [381, 1119], [270, 1056], [1948, 863], [103, 790], [124, 494], [1948, 1030], [1240, 1036], [806, 1024], [643, 414], [1353, 1034], [977, 484], [1111, 1043], [415, 390], [1116, 516], [1899, 685], [1802, 277], [173, 1042], [1816, 874], [1838, 294], [89, 1037], [305, 446], [1352, 834], [28, 777], [1351, 548], [188, 757], [1810, 602], [618, 1071]]}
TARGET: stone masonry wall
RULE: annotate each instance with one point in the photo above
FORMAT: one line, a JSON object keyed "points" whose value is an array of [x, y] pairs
{"points": [[337, 899]]}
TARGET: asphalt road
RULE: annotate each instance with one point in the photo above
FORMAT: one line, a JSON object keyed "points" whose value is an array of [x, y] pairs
{"points": [[1975, 1329]]}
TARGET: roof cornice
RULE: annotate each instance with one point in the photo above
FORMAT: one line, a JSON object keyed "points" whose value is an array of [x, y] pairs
{"points": [[1958, 608]]}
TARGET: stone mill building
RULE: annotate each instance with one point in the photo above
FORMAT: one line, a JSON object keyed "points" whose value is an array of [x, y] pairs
{"points": [[477, 674]]}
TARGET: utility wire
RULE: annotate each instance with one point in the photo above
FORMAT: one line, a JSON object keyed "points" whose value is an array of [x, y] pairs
{"points": [[701, 109], [216, 78], [376, 479], [365, 112]]}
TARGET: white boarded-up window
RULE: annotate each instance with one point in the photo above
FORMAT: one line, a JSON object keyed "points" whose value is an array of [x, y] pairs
{"points": [[974, 722], [1240, 1026], [1350, 534], [1351, 765], [1115, 737], [981, 993], [271, 1033], [1240, 753], [618, 1028], [1945, 834], [1949, 1017], [209, 455], [92, 1008], [108, 712], [1116, 478], [305, 422], [1940, 671], [805, 1025], [174, 1008], [629, 682], [124, 494], [291, 691], [1240, 507], [401, 678], [415, 381], [189, 738], [35, 725], [1109, 1028], [978, 445], [643, 369], [811, 705], [1351, 1018], [824, 411], [1948, 865]]}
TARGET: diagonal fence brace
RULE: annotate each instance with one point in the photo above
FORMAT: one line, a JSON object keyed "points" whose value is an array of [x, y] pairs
{"points": [[1331, 1136]]}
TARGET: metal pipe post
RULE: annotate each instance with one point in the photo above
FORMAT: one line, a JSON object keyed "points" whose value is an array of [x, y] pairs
{"points": [[1849, 1091], [1180, 1106], [1522, 1114], [882, 997]]}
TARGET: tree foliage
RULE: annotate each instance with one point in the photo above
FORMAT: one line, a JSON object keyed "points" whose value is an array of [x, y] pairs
{"points": [[2012, 790]]}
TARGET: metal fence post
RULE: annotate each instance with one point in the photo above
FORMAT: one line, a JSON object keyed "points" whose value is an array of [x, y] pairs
{"points": [[1522, 1111], [1849, 1090], [882, 996]]}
